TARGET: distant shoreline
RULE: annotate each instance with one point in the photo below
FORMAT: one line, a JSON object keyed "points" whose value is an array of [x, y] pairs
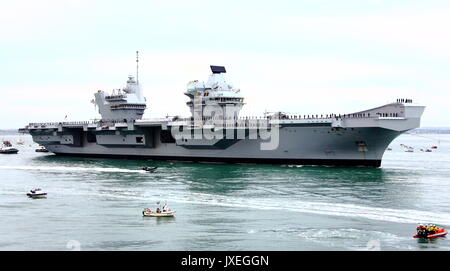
{"points": [[9, 132], [431, 130]]}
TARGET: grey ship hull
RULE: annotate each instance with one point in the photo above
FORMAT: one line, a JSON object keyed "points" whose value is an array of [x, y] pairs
{"points": [[298, 145]]}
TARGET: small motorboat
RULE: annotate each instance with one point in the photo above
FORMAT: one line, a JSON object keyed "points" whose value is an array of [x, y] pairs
{"points": [[429, 231], [7, 148], [41, 149], [149, 169], [434, 147], [36, 193], [149, 213], [165, 211]]}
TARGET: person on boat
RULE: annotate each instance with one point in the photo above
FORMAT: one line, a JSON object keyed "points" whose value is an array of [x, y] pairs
{"points": [[420, 230], [433, 229], [423, 230], [158, 210], [166, 208]]}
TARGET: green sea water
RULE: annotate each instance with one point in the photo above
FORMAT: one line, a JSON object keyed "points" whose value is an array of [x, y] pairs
{"points": [[96, 204]]}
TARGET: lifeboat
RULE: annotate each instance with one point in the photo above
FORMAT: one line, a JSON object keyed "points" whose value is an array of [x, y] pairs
{"points": [[430, 232]]}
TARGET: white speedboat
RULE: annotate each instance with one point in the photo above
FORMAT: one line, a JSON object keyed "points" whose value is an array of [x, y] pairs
{"points": [[41, 149], [149, 169], [7, 148], [36, 193], [149, 213]]}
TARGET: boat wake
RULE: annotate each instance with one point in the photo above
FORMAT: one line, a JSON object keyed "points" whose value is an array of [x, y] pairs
{"points": [[68, 169], [296, 206], [348, 238], [335, 209]]}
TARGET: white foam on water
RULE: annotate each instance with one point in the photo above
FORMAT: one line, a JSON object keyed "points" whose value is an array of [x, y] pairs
{"points": [[326, 234], [323, 208], [355, 239], [320, 208], [68, 169]]}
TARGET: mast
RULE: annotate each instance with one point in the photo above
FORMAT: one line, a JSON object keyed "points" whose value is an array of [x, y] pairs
{"points": [[137, 67]]}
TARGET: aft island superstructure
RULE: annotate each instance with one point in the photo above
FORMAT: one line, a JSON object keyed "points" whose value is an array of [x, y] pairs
{"points": [[215, 132]]}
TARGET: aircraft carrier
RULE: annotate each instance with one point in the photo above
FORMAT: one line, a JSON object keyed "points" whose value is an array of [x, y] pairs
{"points": [[215, 132]]}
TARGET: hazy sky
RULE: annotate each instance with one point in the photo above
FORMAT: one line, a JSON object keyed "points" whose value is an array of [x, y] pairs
{"points": [[301, 57]]}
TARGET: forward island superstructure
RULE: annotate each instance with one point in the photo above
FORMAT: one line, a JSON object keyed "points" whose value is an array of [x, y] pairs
{"points": [[215, 131]]}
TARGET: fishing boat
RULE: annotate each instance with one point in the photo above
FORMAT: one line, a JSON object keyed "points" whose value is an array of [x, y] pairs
{"points": [[36, 193]]}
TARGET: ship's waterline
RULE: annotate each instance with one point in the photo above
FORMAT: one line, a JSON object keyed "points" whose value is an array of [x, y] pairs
{"points": [[337, 147]]}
